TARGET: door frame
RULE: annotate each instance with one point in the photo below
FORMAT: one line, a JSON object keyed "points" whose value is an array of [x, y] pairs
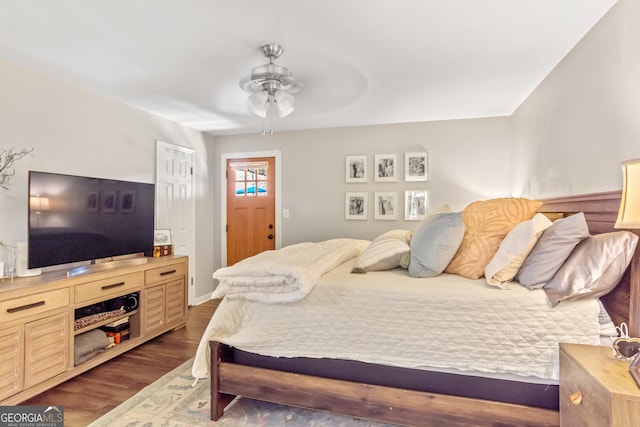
{"points": [[277, 154]]}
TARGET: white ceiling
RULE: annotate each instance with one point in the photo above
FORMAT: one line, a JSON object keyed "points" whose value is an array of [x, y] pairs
{"points": [[361, 61]]}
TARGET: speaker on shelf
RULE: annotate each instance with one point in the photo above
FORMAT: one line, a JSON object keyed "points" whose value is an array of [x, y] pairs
{"points": [[22, 262], [131, 301]]}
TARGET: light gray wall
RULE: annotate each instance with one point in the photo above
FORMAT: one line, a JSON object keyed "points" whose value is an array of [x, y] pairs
{"points": [[568, 137], [75, 132], [583, 120], [468, 160]]}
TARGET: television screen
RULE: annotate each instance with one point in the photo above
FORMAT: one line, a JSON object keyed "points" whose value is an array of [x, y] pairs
{"points": [[75, 218]]}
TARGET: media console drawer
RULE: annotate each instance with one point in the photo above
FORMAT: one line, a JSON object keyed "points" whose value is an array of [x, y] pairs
{"points": [[18, 308], [166, 273], [113, 286]]}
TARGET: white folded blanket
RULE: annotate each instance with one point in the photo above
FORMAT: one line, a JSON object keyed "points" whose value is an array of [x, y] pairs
{"points": [[287, 274]]}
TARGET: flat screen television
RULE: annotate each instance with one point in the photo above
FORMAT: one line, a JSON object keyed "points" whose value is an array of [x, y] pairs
{"points": [[78, 218]]}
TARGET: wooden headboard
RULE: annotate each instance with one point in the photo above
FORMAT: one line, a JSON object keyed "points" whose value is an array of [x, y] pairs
{"points": [[601, 212]]}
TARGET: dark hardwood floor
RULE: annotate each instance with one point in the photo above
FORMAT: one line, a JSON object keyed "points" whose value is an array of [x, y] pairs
{"points": [[94, 393]]}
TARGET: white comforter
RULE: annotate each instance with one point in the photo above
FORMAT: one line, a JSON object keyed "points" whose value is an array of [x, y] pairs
{"points": [[444, 323], [286, 274]]}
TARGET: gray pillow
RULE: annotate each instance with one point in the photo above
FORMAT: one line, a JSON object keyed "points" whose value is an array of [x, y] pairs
{"points": [[434, 244], [551, 250], [594, 267]]}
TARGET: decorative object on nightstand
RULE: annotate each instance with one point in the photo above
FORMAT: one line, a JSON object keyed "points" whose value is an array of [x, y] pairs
{"points": [[596, 389], [162, 243], [7, 262], [634, 368], [625, 347]]}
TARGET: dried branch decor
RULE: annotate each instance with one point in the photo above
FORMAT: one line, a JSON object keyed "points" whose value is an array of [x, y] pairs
{"points": [[7, 158]]}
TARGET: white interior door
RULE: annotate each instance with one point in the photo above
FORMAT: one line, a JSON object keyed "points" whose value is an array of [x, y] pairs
{"points": [[175, 208]]}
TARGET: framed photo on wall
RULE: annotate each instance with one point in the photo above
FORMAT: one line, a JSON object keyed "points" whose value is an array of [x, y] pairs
{"points": [[127, 202], [416, 166], [92, 201], [416, 204], [385, 168], [356, 168], [356, 205], [108, 201], [386, 205]]}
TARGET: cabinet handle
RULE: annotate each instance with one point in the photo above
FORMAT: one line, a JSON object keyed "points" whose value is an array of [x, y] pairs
{"points": [[115, 285], [576, 398], [25, 307], [164, 273]]}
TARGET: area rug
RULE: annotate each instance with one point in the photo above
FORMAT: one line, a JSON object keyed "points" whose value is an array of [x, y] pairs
{"points": [[174, 401]]}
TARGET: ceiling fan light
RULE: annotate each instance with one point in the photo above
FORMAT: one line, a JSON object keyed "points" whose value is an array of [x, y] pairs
{"points": [[258, 103], [271, 86], [284, 103]]}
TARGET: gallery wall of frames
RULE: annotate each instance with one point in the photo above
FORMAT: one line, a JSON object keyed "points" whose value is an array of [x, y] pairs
{"points": [[387, 205]]}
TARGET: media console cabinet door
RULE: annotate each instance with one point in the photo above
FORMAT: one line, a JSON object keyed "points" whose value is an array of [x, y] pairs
{"points": [[11, 361], [176, 301], [46, 348], [154, 306], [165, 296]]}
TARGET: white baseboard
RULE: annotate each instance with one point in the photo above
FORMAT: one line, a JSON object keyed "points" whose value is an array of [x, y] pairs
{"points": [[202, 299]]}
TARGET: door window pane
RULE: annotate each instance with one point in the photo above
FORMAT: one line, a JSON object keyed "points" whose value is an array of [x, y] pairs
{"points": [[251, 188], [250, 178], [262, 188]]}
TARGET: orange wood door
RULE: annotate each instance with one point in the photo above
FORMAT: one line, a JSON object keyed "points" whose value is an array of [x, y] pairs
{"points": [[251, 226]]}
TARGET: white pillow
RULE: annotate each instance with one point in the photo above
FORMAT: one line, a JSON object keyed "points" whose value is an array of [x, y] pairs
{"points": [[383, 254], [513, 250], [398, 234]]}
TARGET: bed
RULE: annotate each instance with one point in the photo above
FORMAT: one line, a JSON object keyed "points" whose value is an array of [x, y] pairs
{"points": [[386, 376]]}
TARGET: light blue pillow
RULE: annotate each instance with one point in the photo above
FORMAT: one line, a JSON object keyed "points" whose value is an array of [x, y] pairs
{"points": [[434, 244]]}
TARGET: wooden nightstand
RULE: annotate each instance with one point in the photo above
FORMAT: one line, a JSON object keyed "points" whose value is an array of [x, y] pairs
{"points": [[596, 389]]}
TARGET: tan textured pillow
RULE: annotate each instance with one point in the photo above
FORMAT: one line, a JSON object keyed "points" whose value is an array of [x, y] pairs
{"points": [[487, 222]]}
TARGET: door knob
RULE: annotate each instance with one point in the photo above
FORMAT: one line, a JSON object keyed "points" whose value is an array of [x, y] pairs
{"points": [[270, 237]]}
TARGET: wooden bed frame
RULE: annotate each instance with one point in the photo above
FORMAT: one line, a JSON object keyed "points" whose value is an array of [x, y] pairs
{"points": [[416, 408]]}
